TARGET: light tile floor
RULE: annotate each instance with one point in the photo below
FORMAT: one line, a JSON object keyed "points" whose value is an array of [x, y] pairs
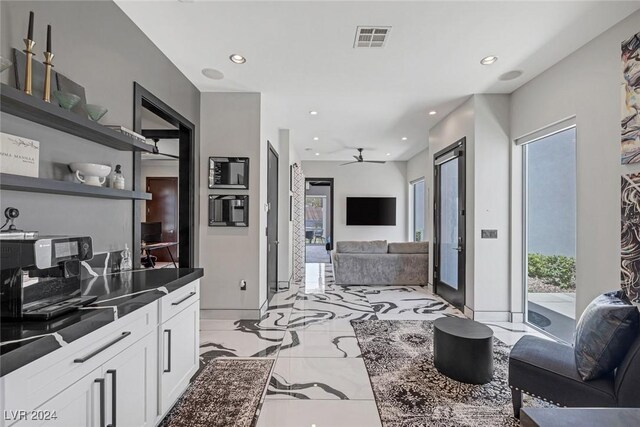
{"points": [[319, 378]]}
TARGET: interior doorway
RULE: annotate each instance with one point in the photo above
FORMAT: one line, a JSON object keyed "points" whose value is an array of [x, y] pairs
{"points": [[162, 209], [318, 219], [449, 217], [164, 227], [272, 222]]}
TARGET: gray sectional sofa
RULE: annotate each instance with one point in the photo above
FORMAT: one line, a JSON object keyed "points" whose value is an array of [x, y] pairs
{"points": [[378, 263]]}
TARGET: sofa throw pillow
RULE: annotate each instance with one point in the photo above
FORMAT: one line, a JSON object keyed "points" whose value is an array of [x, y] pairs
{"points": [[409, 248], [605, 331], [364, 247]]}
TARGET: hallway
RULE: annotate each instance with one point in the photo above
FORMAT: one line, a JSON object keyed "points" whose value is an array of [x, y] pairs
{"points": [[319, 377]]}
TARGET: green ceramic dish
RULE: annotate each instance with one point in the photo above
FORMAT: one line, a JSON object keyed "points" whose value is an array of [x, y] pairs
{"points": [[95, 112], [65, 99]]}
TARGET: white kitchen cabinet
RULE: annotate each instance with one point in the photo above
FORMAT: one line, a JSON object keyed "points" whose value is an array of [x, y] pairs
{"points": [[143, 362], [179, 342], [131, 384], [76, 406]]}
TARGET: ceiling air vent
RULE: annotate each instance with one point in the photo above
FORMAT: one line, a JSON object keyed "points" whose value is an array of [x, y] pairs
{"points": [[371, 36]]}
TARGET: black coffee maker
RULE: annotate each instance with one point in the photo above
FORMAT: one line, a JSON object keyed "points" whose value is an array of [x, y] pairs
{"points": [[40, 276]]}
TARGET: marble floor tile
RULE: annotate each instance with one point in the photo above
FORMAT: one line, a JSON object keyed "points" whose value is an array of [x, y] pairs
{"points": [[309, 322], [274, 319], [319, 413], [319, 378], [240, 344], [305, 343]]}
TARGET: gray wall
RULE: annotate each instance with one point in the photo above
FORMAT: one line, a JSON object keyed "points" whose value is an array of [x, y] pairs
{"points": [[231, 128], [99, 47]]}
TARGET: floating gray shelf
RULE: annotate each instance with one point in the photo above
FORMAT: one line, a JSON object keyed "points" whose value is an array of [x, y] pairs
{"points": [[52, 186], [17, 103]]}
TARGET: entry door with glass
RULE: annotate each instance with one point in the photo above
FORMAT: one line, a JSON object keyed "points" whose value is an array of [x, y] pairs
{"points": [[449, 217]]}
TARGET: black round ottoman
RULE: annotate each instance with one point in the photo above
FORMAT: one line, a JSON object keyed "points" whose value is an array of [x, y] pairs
{"points": [[463, 350]]}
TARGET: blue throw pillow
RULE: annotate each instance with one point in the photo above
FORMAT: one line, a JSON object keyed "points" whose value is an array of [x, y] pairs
{"points": [[606, 330]]}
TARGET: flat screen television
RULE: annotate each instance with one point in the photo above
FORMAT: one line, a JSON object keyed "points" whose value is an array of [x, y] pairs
{"points": [[371, 211]]}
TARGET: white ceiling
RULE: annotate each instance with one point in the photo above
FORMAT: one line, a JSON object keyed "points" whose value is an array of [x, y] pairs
{"points": [[300, 56]]}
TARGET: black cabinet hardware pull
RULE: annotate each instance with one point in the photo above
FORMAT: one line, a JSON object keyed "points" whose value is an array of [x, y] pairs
{"points": [[102, 398], [114, 396], [104, 347], [183, 299], [169, 347]]}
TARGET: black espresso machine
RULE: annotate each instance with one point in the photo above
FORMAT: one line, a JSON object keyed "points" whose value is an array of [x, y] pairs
{"points": [[40, 276]]}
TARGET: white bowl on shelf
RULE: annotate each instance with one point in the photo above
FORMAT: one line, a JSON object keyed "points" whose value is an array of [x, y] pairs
{"points": [[91, 173]]}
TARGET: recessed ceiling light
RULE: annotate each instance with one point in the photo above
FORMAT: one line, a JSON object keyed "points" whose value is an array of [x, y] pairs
{"points": [[238, 59], [388, 154], [212, 73], [433, 112], [317, 154], [315, 138], [313, 113], [404, 138], [488, 60]]}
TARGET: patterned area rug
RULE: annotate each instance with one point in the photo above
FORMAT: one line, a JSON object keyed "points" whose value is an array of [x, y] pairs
{"points": [[409, 391], [227, 392]]}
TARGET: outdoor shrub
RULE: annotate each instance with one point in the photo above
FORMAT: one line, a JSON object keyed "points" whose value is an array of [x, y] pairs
{"points": [[557, 270]]}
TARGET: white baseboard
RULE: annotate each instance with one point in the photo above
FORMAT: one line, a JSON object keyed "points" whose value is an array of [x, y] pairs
{"points": [[487, 316], [517, 317], [491, 316]]}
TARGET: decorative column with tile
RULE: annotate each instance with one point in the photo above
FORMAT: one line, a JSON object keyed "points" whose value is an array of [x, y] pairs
{"points": [[298, 225]]}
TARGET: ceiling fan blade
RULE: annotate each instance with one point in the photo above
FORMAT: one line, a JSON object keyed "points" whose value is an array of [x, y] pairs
{"points": [[348, 163], [375, 161], [357, 158]]}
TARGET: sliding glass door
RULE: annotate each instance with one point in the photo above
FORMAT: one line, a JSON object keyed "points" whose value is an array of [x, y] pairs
{"points": [[550, 232]]}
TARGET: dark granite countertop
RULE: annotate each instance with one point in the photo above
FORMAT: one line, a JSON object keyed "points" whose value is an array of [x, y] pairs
{"points": [[118, 295]]}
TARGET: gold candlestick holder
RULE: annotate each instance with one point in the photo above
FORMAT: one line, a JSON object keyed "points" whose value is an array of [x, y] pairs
{"points": [[48, 57], [28, 73]]}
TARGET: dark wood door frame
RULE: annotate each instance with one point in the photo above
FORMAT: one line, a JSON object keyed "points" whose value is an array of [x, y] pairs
{"points": [[457, 299], [330, 180], [275, 153], [142, 98]]}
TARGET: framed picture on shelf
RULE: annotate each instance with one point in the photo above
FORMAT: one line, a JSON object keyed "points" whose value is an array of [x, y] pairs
{"points": [[229, 172]]}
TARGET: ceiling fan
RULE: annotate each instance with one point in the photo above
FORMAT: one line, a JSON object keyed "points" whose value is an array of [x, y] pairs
{"points": [[360, 159]]}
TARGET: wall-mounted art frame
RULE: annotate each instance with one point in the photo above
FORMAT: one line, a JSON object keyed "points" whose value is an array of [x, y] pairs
{"points": [[228, 210], [229, 173]]}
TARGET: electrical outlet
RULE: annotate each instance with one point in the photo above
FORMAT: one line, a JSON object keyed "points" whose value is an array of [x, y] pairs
{"points": [[489, 234], [243, 285]]}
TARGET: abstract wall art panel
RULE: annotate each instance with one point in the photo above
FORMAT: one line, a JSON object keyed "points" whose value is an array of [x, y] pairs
{"points": [[630, 237], [630, 97]]}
